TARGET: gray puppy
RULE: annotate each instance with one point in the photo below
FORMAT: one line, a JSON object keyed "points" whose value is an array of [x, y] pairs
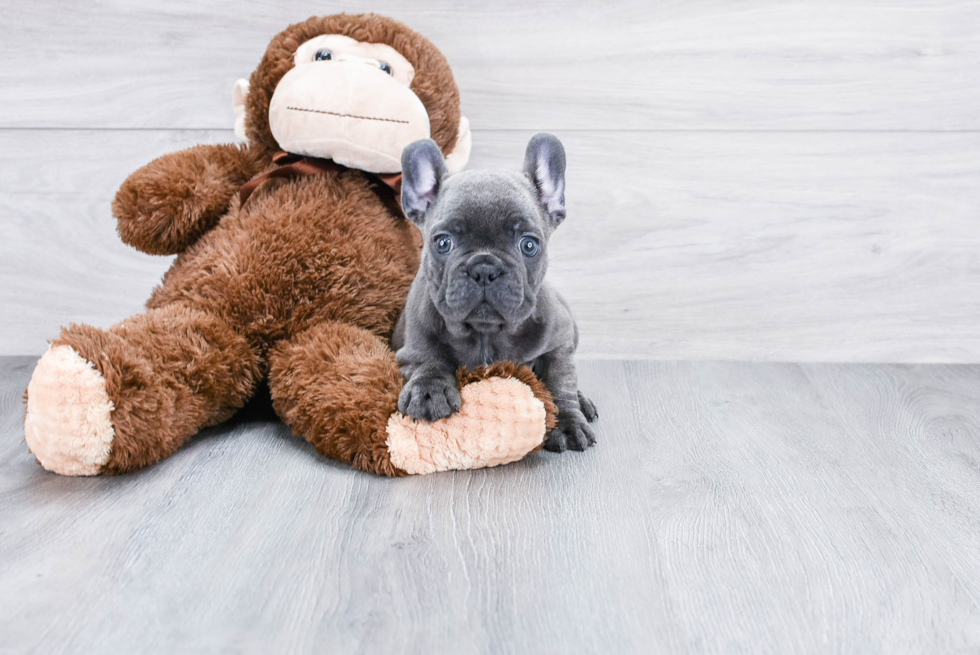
{"points": [[480, 295]]}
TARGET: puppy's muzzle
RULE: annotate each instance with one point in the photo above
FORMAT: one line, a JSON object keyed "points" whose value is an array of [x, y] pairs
{"points": [[484, 278], [484, 268]]}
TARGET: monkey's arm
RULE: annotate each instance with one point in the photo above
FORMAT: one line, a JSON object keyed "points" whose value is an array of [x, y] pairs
{"points": [[164, 207]]}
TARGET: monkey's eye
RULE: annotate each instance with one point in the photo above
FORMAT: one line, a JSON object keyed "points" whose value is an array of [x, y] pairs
{"points": [[385, 67], [529, 246], [323, 55], [443, 244]]}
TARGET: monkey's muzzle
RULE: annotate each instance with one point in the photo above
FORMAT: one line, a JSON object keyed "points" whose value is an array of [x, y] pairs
{"points": [[355, 114]]}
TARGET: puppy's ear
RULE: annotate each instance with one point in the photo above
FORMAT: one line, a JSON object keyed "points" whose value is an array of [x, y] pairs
{"points": [[544, 163], [423, 169]]}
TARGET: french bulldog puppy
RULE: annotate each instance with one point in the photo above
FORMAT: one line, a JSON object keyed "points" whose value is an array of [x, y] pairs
{"points": [[480, 294]]}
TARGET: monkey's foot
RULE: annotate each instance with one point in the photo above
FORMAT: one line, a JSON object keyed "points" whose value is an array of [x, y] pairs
{"points": [[505, 415], [68, 424]]}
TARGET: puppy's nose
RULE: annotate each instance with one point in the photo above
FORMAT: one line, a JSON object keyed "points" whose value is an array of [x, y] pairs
{"points": [[484, 268]]}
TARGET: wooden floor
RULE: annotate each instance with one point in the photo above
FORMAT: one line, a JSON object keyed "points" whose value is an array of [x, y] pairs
{"points": [[727, 508]]}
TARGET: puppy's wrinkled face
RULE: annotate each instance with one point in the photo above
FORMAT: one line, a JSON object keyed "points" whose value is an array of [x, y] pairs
{"points": [[486, 250], [486, 232]]}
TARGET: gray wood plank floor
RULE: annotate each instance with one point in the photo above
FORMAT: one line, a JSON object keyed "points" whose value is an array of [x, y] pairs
{"points": [[728, 507]]}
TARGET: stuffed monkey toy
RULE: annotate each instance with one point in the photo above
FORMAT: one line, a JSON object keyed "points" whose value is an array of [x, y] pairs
{"points": [[293, 264]]}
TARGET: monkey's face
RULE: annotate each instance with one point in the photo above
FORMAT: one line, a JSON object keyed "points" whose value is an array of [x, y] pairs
{"points": [[350, 102], [356, 89]]}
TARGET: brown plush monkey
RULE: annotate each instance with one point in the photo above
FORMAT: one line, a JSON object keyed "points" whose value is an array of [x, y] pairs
{"points": [[292, 273]]}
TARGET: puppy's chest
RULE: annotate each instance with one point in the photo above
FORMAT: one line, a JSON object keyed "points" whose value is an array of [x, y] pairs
{"points": [[485, 349]]}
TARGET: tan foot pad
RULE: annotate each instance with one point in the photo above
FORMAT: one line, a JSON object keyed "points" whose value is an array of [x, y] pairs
{"points": [[68, 425], [500, 421]]}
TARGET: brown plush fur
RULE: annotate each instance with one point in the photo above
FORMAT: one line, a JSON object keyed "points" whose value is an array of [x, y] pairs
{"points": [[336, 384], [169, 373], [302, 285], [169, 203]]}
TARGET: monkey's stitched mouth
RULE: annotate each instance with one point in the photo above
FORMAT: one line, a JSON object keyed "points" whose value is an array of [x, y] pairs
{"points": [[334, 113]]}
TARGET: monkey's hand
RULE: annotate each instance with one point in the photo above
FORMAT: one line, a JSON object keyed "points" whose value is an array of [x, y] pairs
{"points": [[164, 207]]}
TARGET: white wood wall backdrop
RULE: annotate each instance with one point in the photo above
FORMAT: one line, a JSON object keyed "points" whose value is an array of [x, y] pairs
{"points": [[773, 180], [627, 64]]}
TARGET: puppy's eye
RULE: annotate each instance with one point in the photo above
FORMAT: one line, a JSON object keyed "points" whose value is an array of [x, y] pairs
{"points": [[385, 67], [323, 55], [529, 246], [443, 244]]}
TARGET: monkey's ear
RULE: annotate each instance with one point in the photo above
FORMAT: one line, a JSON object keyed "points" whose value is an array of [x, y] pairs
{"points": [[456, 161], [423, 170], [544, 163], [238, 95]]}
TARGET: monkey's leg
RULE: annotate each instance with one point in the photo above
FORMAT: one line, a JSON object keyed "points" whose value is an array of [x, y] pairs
{"points": [[336, 385], [112, 401]]}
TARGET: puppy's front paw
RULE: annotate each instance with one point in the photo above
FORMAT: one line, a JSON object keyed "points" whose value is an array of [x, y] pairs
{"points": [[572, 432], [429, 398]]}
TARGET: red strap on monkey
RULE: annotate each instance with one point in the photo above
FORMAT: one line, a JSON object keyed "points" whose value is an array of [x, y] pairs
{"points": [[388, 187]]}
